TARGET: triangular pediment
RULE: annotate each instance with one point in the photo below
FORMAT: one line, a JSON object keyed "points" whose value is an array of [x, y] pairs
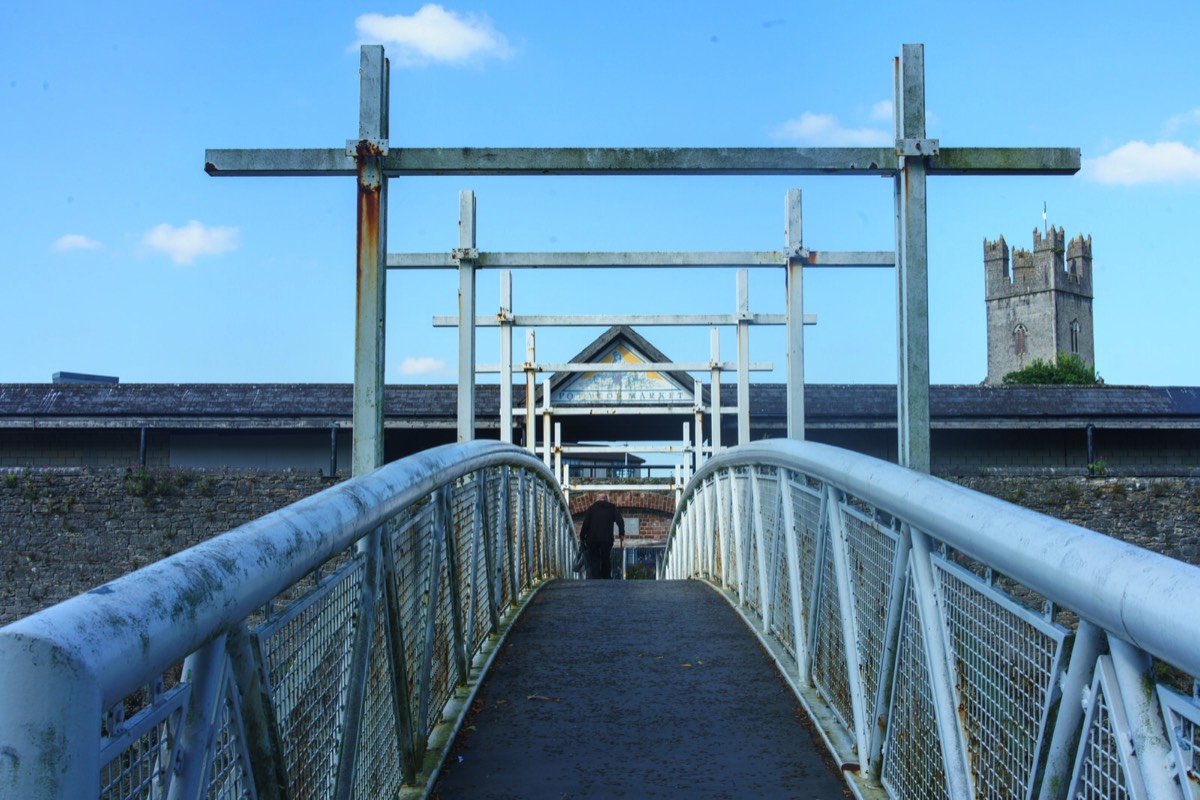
{"points": [[621, 345]]}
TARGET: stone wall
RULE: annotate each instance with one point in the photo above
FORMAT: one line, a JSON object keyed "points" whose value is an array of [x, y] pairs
{"points": [[63, 532]]}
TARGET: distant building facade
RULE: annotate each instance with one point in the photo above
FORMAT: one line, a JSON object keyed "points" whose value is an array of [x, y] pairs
{"points": [[1038, 305]]}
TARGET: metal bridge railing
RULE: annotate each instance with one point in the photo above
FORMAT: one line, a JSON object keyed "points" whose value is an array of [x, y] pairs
{"points": [[321, 651], [948, 644]]}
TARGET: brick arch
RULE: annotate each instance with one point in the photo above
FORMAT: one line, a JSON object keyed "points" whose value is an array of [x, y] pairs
{"points": [[654, 509], [654, 502]]}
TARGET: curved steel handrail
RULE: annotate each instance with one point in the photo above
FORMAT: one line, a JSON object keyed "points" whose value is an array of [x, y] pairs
{"points": [[874, 586], [1124, 589], [62, 667]]}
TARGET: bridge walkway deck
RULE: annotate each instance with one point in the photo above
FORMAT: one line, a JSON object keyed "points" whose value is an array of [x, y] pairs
{"points": [[638, 689]]}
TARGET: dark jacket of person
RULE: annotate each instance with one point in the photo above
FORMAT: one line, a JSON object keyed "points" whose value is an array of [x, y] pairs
{"points": [[597, 528]]}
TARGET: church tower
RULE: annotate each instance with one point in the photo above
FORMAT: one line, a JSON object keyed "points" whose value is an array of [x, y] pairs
{"points": [[1040, 307]]}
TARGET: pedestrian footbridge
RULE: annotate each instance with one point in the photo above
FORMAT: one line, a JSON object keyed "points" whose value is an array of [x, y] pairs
{"points": [[828, 624]]}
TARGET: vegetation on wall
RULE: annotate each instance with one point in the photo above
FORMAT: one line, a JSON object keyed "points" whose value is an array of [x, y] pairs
{"points": [[1066, 369]]}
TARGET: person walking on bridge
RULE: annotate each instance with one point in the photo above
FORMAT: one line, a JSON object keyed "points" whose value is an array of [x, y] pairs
{"points": [[596, 535]]}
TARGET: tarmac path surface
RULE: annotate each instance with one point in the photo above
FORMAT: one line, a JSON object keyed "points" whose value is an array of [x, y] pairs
{"points": [[635, 689]]}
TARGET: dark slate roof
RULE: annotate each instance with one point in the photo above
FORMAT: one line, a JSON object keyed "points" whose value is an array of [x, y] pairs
{"points": [[987, 406], [826, 405]]}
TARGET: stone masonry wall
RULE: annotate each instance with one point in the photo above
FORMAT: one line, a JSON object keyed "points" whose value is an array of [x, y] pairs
{"points": [[63, 532]]}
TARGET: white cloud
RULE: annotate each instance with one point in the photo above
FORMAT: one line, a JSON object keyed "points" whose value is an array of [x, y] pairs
{"points": [[825, 130], [194, 239], [1188, 119], [73, 241], [433, 34], [1139, 162], [882, 111], [422, 365]]}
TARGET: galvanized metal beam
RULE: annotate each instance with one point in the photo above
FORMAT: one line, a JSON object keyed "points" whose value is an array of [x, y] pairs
{"points": [[632, 320], [427, 161], [641, 366], [643, 260]]}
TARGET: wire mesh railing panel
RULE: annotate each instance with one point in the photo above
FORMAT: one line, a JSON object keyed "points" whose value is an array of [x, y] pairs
{"points": [[872, 561], [137, 752], [912, 764], [782, 622], [1101, 768], [747, 552], [306, 657], [829, 651], [229, 772], [413, 549], [1006, 662], [806, 510], [377, 766], [444, 672], [722, 513]]}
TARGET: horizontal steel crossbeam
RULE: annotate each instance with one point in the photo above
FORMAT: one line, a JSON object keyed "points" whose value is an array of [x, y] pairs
{"points": [[425, 161]]}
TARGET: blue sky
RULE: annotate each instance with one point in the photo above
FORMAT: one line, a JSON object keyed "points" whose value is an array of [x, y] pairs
{"points": [[120, 256]]}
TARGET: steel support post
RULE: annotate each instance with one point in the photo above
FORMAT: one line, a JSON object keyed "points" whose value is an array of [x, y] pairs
{"points": [[698, 436], [263, 742], [1060, 761], [743, 356], [205, 671], [794, 287], [558, 473], [372, 260], [546, 443], [505, 318], [467, 254], [684, 454], [530, 392], [714, 391], [723, 500], [368, 371], [912, 268]]}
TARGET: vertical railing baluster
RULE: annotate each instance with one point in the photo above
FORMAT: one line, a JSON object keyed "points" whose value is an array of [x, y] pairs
{"points": [[956, 763], [204, 670], [848, 614], [263, 742], [887, 664], [756, 508], [796, 593]]}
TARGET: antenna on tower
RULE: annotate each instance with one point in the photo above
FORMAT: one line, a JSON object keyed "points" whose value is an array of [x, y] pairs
{"points": [[1044, 230]]}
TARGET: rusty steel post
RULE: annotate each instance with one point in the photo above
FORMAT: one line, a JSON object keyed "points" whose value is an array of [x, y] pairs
{"points": [[371, 261]]}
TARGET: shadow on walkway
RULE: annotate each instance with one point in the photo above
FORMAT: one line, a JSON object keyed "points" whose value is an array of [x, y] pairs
{"points": [[638, 689]]}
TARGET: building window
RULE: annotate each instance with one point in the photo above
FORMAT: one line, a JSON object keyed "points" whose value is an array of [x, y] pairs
{"points": [[1019, 340], [1075, 337]]}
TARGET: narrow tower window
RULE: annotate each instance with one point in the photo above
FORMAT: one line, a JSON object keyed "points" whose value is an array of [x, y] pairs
{"points": [[1075, 337], [1019, 340]]}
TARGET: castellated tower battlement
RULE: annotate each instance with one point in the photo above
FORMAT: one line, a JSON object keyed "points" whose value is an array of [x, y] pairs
{"points": [[1050, 266], [1039, 302]]}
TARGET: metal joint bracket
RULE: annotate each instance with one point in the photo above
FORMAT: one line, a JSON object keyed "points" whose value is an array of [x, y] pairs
{"points": [[917, 147], [366, 148], [799, 253], [465, 254]]}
